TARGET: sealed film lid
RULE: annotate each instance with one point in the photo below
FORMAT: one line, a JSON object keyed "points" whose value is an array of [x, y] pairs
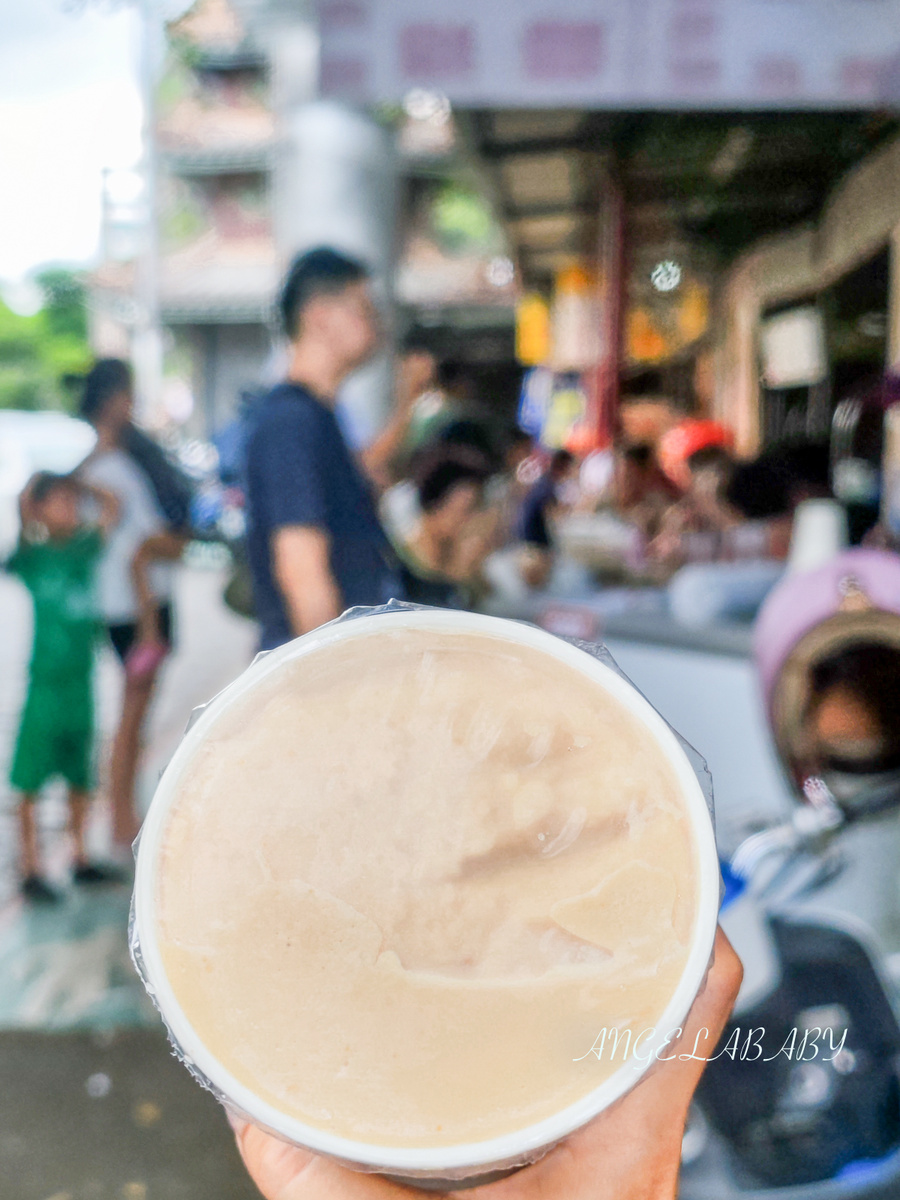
{"points": [[401, 875]]}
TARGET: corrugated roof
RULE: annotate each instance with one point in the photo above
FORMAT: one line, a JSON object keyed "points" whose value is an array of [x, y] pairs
{"points": [[725, 179]]}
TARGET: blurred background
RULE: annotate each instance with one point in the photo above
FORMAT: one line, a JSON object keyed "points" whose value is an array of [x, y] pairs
{"points": [[661, 236]]}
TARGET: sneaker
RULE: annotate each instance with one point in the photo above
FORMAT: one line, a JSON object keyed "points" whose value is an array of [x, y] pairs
{"points": [[38, 891], [99, 873]]}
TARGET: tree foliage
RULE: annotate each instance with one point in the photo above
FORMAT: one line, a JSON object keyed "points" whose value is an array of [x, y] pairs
{"points": [[462, 220], [40, 354]]}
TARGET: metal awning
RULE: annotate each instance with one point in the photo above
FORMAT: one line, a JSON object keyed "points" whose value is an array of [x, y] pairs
{"points": [[723, 179]]}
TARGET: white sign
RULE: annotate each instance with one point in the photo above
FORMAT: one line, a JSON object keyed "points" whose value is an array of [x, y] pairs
{"points": [[615, 53], [793, 349]]}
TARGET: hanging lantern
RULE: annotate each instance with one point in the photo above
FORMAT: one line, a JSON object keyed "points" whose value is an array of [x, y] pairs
{"points": [[645, 343]]}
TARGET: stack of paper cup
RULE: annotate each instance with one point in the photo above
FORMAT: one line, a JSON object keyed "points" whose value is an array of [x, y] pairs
{"points": [[819, 535]]}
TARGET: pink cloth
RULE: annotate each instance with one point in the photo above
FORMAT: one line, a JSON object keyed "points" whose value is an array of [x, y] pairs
{"points": [[144, 658], [801, 602]]}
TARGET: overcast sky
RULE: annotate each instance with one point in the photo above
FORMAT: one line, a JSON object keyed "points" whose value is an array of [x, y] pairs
{"points": [[69, 106]]}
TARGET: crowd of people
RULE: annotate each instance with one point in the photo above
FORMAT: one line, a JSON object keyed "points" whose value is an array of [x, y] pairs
{"points": [[423, 514]]}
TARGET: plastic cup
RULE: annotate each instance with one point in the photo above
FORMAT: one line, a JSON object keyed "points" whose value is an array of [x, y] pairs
{"points": [[819, 535], [458, 1162]]}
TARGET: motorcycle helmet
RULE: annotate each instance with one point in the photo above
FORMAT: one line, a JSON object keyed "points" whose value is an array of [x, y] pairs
{"points": [[827, 646]]}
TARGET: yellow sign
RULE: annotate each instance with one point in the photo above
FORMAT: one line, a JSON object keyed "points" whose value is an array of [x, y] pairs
{"points": [[566, 410]]}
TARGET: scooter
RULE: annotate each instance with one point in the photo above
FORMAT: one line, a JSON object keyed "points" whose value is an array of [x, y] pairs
{"points": [[801, 1098]]}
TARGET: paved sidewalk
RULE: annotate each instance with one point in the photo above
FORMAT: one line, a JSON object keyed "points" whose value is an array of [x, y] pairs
{"points": [[110, 1117]]}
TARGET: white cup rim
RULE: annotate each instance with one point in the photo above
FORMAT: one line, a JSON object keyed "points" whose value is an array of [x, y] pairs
{"points": [[509, 1147]]}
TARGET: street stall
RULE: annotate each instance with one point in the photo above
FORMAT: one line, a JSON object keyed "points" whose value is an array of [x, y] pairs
{"points": [[658, 150]]}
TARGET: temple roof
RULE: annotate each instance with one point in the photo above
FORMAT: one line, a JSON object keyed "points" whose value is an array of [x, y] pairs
{"points": [[204, 138], [217, 279]]}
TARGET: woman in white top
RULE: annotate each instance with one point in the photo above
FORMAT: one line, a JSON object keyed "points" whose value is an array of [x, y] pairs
{"points": [[134, 584]]}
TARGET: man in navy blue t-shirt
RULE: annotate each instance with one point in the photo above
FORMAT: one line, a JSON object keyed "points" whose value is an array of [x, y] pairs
{"points": [[315, 544]]}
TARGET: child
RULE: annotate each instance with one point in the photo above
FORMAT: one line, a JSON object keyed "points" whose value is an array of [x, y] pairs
{"points": [[56, 559]]}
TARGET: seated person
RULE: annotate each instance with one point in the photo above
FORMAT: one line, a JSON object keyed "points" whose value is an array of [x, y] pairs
{"points": [[691, 530], [642, 492], [536, 515], [443, 404], [509, 487], [765, 494], [762, 494], [442, 557], [752, 550]]}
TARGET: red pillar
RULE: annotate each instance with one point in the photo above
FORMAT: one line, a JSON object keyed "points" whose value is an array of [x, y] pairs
{"points": [[603, 387]]}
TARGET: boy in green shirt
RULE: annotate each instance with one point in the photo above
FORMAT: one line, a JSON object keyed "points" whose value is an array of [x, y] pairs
{"points": [[56, 559]]}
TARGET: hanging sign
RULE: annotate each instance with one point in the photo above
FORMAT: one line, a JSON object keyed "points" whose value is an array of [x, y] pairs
{"points": [[640, 54]]}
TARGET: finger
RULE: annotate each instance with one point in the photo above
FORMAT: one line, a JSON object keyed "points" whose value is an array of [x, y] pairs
{"points": [[237, 1123], [673, 1078], [284, 1172], [632, 1150], [661, 1099], [710, 1011]]}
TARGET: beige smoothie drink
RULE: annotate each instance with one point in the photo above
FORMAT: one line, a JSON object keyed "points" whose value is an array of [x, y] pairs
{"points": [[404, 881]]}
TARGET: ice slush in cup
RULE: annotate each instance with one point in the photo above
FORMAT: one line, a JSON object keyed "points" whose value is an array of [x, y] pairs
{"points": [[400, 877]]}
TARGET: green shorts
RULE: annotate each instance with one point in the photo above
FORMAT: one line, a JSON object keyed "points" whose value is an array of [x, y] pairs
{"points": [[56, 736]]}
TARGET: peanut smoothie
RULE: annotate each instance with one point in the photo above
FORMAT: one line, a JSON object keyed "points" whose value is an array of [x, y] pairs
{"points": [[406, 880]]}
